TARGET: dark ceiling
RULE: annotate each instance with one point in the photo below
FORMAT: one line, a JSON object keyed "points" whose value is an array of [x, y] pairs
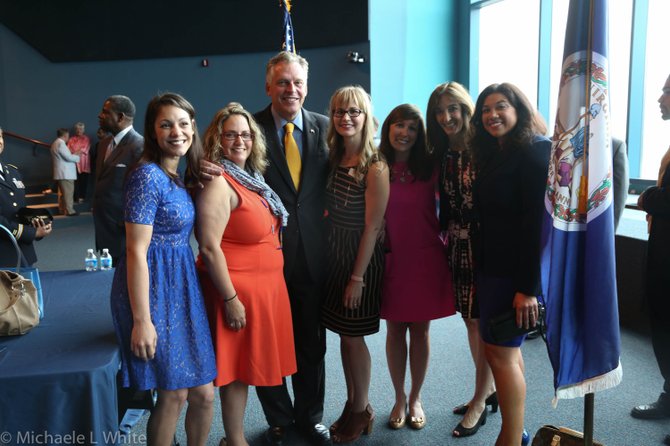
{"points": [[90, 30]]}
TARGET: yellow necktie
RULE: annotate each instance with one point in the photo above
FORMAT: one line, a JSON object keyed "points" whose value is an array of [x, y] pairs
{"points": [[292, 154]]}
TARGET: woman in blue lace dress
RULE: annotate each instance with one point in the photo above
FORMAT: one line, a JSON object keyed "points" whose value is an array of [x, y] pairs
{"points": [[157, 305]]}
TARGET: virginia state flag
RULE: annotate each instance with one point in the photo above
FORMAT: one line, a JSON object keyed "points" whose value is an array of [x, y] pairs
{"points": [[578, 263], [288, 44]]}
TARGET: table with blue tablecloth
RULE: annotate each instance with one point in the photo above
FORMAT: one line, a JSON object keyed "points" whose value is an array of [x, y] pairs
{"points": [[58, 381]]}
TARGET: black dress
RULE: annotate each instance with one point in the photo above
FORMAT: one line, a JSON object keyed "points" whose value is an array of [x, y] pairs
{"points": [[346, 217]]}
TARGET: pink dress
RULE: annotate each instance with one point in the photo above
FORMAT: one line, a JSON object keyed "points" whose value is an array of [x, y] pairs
{"points": [[417, 282], [82, 143]]}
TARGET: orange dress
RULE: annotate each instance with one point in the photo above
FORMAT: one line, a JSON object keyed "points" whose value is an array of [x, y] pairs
{"points": [[263, 352]]}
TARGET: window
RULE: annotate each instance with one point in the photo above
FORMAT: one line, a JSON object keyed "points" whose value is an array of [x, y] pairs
{"points": [[508, 46]]}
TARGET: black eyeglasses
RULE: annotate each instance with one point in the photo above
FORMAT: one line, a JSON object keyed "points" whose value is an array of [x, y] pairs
{"points": [[232, 136], [352, 112]]}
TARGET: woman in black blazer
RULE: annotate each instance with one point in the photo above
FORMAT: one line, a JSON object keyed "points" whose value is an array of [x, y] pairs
{"points": [[512, 157]]}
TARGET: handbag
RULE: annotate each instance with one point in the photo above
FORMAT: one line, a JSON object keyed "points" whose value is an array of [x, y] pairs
{"points": [[549, 435], [503, 327], [19, 311]]}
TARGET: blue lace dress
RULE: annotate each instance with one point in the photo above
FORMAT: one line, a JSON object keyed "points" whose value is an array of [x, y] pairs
{"points": [[184, 354]]}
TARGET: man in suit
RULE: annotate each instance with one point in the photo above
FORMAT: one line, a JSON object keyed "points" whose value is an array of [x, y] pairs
{"points": [[65, 172], [13, 198], [655, 201], [117, 153], [303, 244]]}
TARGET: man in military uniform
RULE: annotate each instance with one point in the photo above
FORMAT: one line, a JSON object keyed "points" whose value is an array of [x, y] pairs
{"points": [[13, 198]]}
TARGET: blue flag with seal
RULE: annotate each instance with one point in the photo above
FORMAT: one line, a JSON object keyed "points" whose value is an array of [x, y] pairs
{"points": [[288, 44], [578, 262]]}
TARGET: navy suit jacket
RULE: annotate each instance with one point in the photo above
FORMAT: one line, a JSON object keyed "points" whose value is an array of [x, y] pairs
{"points": [[13, 198], [306, 224], [108, 198]]}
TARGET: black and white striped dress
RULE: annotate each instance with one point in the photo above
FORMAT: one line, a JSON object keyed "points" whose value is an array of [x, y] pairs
{"points": [[346, 217]]}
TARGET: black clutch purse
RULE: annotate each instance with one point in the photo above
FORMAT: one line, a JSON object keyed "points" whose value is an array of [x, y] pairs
{"points": [[503, 327], [27, 215]]}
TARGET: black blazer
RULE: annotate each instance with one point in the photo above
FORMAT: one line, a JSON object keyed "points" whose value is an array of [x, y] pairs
{"points": [[13, 198], [656, 202], [509, 198], [108, 198], [306, 225]]}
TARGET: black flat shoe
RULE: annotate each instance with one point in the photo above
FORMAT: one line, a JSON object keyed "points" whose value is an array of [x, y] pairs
{"points": [[316, 435], [275, 435], [461, 431], [492, 401], [667, 440]]}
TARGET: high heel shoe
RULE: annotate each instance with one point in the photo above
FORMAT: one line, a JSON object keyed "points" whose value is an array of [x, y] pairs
{"points": [[462, 431], [491, 400], [397, 423], [417, 422], [342, 419], [357, 423]]}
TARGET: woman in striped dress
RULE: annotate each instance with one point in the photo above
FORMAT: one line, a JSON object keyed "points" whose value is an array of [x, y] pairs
{"points": [[357, 195]]}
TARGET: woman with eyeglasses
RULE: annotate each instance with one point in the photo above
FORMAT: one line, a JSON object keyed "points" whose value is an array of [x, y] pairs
{"points": [[415, 292], [357, 194], [449, 129], [239, 223], [512, 159]]}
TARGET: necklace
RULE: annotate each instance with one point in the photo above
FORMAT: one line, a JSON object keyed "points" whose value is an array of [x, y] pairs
{"points": [[346, 197], [402, 175]]}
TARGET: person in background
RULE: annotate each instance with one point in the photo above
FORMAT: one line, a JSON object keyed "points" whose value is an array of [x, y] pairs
{"points": [[511, 158], [417, 282], [157, 306], [240, 220], [357, 196], [79, 143], [448, 116], [116, 154], [65, 172], [620, 180], [13, 198], [655, 201]]}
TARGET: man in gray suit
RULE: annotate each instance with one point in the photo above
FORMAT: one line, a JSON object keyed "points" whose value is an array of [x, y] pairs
{"points": [[65, 172], [303, 245], [117, 153]]}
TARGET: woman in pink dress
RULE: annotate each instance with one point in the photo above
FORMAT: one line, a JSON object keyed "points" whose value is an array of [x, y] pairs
{"points": [[417, 282], [79, 142]]}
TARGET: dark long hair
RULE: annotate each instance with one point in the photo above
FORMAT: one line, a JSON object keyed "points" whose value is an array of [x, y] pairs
{"points": [[529, 123], [421, 162], [152, 151]]}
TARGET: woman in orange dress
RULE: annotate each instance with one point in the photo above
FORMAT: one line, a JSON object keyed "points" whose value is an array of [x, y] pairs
{"points": [[239, 220]]}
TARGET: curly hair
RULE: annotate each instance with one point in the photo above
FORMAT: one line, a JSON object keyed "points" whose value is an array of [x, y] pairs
{"points": [[421, 161], [529, 122], [257, 160]]}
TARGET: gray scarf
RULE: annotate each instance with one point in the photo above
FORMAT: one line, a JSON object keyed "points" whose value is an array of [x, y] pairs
{"points": [[254, 182]]}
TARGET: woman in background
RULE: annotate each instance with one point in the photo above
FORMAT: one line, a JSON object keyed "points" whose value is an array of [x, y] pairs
{"points": [[357, 194], [80, 144], [417, 284], [512, 158], [157, 305], [241, 267], [450, 109]]}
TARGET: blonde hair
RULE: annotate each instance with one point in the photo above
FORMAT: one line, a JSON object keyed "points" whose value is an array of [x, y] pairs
{"points": [[257, 160], [368, 152]]}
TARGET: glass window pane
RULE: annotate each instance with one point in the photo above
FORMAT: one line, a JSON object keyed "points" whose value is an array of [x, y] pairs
{"points": [[655, 132], [620, 19], [508, 46]]}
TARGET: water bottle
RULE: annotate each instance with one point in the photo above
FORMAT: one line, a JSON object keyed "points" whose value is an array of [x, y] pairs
{"points": [[91, 261], [105, 260]]}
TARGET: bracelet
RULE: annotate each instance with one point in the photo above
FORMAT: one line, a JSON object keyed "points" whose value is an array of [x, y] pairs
{"points": [[356, 278], [230, 298]]}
